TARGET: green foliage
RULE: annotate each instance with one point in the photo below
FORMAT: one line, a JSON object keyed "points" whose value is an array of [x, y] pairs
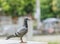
{"points": [[53, 43], [46, 9], [17, 7], [5, 6], [23, 7]]}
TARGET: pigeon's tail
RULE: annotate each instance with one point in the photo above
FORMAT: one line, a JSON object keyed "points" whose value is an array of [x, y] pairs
{"points": [[11, 36]]}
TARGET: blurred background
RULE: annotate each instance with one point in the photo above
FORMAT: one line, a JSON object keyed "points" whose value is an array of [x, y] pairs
{"points": [[46, 15]]}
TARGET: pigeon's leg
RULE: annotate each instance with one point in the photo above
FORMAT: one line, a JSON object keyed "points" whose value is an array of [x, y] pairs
{"points": [[22, 40], [10, 37]]}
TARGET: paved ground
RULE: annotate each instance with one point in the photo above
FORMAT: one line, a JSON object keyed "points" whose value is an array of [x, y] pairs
{"points": [[48, 38], [17, 42], [43, 38]]}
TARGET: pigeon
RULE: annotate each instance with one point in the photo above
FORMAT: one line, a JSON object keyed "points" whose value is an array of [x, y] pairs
{"points": [[20, 33]]}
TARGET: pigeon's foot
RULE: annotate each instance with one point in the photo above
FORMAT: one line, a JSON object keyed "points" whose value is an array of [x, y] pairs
{"points": [[23, 42]]}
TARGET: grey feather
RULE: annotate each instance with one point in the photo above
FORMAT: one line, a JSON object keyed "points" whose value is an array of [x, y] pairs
{"points": [[20, 32]]}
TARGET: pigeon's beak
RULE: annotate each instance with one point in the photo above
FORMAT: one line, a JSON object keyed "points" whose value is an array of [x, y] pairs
{"points": [[33, 18]]}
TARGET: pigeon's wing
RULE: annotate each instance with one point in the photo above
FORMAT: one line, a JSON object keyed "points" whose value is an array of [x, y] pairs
{"points": [[22, 32]]}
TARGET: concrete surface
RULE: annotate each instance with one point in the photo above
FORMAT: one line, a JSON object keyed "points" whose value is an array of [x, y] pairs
{"points": [[17, 42], [41, 38]]}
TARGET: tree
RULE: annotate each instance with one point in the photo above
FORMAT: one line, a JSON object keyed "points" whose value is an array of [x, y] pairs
{"points": [[56, 8], [50, 8], [46, 10], [17, 7]]}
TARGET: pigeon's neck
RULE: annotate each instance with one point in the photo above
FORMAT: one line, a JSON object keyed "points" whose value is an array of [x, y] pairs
{"points": [[26, 23]]}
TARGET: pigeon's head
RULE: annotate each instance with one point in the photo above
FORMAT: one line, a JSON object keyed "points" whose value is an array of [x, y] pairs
{"points": [[27, 19]]}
